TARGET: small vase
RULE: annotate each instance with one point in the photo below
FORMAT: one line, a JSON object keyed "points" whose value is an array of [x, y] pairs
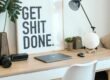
{"points": [[69, 46]]}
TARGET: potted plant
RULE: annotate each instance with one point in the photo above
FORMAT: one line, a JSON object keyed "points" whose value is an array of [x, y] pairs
{"points": [[69, 42], [12, 9]]}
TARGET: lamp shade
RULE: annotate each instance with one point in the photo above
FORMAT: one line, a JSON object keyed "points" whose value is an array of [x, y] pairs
{"points": [[91, 40], [74, 4]]}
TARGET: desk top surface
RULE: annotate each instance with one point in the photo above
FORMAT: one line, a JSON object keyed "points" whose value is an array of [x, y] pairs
{"points": [[32, 65]]}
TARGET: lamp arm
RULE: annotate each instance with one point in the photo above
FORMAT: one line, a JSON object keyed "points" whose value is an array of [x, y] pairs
{"points": [[92, 27]]}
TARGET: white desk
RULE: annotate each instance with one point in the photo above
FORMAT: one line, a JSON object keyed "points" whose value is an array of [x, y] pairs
{"points": [[37, 70]]}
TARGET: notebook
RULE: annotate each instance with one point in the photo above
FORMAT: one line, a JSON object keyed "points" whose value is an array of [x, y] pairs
{"points": [[53, 57]]}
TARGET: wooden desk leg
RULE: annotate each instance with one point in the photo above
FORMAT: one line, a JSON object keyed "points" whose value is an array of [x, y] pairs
{"points": [[108, 72]]}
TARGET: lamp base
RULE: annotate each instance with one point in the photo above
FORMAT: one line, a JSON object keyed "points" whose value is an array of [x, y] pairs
{"points": [[90, 50]]}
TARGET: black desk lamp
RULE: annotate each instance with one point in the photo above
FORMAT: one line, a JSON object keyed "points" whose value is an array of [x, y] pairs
{"points": [[74, 5]]}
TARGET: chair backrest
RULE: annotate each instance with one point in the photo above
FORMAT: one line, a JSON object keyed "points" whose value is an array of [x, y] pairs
{"points": [[84, 71]]}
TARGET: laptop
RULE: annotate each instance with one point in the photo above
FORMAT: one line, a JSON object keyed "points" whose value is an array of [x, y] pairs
{"points": [[53, 57]]}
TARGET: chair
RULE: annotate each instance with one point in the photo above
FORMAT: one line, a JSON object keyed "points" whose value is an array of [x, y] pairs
{"points": [[84, 71]]}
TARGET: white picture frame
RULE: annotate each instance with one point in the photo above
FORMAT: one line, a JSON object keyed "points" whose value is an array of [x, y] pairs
{"points": [[40, 26]]}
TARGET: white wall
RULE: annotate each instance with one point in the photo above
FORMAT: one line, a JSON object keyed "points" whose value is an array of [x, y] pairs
{"points": [[75, 22]]}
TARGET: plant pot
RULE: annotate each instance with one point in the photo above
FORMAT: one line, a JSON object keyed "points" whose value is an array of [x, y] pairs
{"points": [[69, 46]]}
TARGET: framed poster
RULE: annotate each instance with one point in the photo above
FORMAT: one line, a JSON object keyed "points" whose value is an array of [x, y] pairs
{"points": [[40, 26]]}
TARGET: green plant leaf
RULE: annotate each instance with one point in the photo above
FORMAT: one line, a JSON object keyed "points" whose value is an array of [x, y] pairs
{"points": [[3, 5], [68, 39], [12, 7]]}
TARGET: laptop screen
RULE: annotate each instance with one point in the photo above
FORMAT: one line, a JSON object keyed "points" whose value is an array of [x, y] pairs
{"points": [[53, 57]]}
